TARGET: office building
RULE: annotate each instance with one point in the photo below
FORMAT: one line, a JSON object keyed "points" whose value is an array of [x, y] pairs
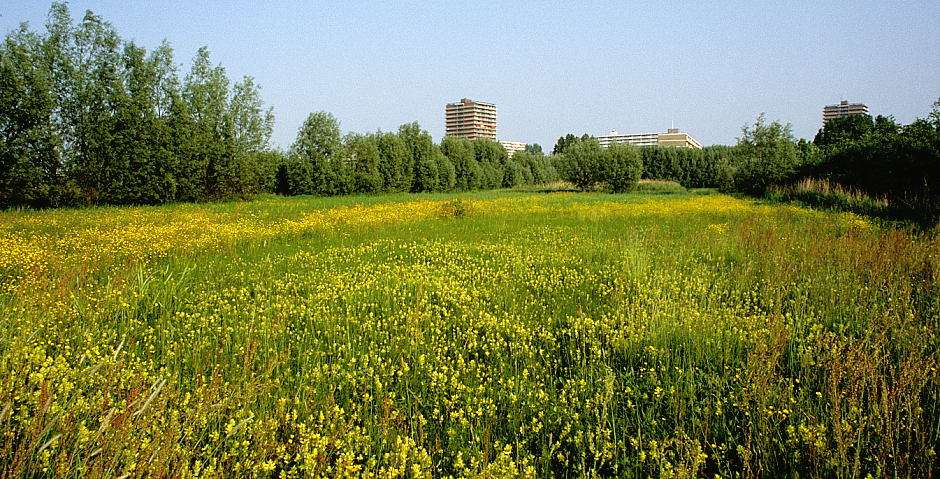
{"points": [[470, 119], [672, 137], [843, 109], [512, 146]]}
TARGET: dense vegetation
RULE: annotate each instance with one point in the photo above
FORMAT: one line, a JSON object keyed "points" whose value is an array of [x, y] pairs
{"points": [[883, 159], [859, 163], [482, 335], [321, 162], [87, 118]]}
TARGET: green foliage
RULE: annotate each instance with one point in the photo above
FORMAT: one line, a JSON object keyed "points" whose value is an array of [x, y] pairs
{"points": [[446, 172], [92, 119], [364, 155], [882, 158], [394, 162], [582, 164], [534, 149], [768, 156], [847, 128], [586, 165], [460, 151], [568, 140], [514, 174], [622, 167], [29, 161], [424, 165], [710, 167], [319, 144]]}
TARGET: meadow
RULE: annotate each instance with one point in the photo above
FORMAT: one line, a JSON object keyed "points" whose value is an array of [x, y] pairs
{"points": [[492, 334]]}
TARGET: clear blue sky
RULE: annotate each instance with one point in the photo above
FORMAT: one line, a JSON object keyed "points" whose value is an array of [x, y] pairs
{"points": [[553, 68]]}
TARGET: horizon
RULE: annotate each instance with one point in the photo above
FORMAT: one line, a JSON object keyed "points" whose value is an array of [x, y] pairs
{"points": [[708, 76]]}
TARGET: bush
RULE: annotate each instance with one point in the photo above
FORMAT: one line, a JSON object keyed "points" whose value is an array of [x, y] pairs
{"points": [[513, 174], [622, 167], [768, 156], [455, 208], [581, 164]]}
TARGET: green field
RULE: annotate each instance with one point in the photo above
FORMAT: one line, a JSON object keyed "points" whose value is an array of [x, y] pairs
{"points": [[493, 334]]}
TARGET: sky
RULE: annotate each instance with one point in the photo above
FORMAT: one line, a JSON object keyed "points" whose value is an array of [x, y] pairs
{"points": [[707, 68]]}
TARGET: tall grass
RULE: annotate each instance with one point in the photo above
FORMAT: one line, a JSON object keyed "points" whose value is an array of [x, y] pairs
{"points": [[821, 193], [494, 334]]}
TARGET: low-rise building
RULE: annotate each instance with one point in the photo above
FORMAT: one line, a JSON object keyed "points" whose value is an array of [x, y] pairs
{"points": [[512, 146], [672, 137], [636, 139]]}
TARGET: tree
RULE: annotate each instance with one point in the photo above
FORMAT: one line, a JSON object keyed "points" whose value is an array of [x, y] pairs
{"points": [[513, 174], [29, 162], [468, 175], [446, 172], [534, 149], [96, 166], [424, 166], [622, 167], [318, 144], [568, 140], [395, 163], [581, 164], [363, 153], [104, 122], [934, 115], [208, 158], [492, 158], [140, 135], [253, 125], [769, 156], [846, 128]]}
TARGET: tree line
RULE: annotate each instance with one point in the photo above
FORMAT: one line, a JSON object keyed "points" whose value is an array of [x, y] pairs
{"points": [[89, 118], [875, 156], [322, 162]]}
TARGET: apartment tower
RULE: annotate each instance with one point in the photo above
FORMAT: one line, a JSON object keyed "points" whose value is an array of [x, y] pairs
{"points": [[470, 119], [843, 109]]}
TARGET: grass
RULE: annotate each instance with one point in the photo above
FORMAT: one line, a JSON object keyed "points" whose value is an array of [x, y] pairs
{"points": [[922, 211], [492, 334]]}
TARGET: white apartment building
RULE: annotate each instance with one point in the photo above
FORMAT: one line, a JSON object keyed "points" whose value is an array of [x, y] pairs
{"points": [[512, 146], [672, 137], [637, 139]]}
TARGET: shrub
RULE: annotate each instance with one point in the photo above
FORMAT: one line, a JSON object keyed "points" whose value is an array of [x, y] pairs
{"points": [[581, 164], [622, 167], [768, 156], [455, 208]]}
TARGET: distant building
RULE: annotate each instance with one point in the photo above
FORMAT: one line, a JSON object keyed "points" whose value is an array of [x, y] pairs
{"points": [[843, 109], [512, 146], [672, 137], [470, 119], [638, 139]]}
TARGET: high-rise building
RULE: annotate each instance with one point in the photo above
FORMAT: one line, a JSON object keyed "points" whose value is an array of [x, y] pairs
{"points": [[470, 119], [512, 146], [843, 109], [672, 137]]}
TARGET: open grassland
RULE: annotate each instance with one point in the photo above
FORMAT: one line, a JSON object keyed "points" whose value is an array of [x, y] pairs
{"points": [[482, 335]]}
